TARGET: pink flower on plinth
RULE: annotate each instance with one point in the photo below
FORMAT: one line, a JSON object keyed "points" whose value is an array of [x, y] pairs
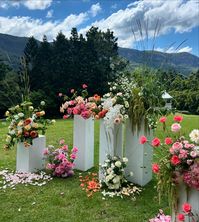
{"points": [[183, 154], [175, 127], [175, 160], [186, 207], [168, 141], [72, 102], [155, 142], [73, 156], [162, 119], [178, 118], [84, 86], [177, 146], [60, 156], [46, 151], [181, 217], [193, 154], [72, 90], [65, 148], [155, 168], [75, 149], [75, 111], [60, 94], [143, 139], [50, 166], [86, 114]]}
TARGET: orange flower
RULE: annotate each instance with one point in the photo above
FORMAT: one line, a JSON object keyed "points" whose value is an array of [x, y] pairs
{"points": [[27, 121], [34, 134], [96, 97]]}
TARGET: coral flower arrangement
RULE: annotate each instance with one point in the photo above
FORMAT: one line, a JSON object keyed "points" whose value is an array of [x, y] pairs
{"points": [[179, 160], [26, 122]]}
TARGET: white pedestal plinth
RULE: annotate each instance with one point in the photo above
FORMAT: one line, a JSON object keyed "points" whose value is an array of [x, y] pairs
{"points": [[83, 139], [185, 195], [30, 159], [111, 141], [139, 156]]}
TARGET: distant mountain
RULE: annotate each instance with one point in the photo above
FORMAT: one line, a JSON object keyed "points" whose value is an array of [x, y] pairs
{"points": [[11, 48]]}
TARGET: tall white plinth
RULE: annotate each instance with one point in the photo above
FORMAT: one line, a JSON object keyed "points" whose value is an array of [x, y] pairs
{"points": [[139, 156], [83, 139], [30, 159], [185, 195], [111, 141]]}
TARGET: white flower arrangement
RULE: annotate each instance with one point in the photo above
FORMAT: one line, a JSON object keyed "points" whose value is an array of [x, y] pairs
{"points": [[114, 181], [194, 136]]}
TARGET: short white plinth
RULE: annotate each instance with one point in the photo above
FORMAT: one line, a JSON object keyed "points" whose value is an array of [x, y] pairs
{"points": [[83, 139], [30, 159], [111, 141], [139, 156], [186, 195]]}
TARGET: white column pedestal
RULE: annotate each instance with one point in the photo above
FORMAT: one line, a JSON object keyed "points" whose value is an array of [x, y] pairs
{"points": [[139, 156], [111, 141], [83, 139], [30, 159], [190, 196]]}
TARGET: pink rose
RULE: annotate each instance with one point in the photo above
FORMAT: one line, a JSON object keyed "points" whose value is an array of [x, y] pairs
{"points": [[72, 90], [73, 156], [168, 141], [143, 140], [162, 119], [65, 116], [181, 217], [86, 114], [69, 111], [75, 149], [60, 94], [75, 111], [71, 103], [62, 141], [155, 168], [183, 154], [175, 160], [155, 142], [193, 154], [60, 156], [84, 86], [65, 147], [177, 146], [175, 127], [178, 118], [186, 207]]}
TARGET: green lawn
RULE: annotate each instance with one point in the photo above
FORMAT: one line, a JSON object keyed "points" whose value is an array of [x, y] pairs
{"points": [[73, 205]]}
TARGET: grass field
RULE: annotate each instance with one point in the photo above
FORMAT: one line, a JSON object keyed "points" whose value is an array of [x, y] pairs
{"points": [[74, 205]]}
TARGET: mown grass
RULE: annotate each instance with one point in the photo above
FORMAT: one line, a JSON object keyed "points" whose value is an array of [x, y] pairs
{"points": [[62, 199]]}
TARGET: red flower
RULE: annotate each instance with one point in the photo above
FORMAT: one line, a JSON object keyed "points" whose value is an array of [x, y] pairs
{"points": [[178, 118], [65, 116], [186, 207], [26, 134], [168, 141], [175, 160], [155, 168], [181, 217], [27, 122], [155, 142], [34, 134], [84, 86], [163, 119], [143, 140]]}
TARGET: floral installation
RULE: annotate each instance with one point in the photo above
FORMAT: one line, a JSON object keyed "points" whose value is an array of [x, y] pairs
{"points": [[60, 161], [179, 159], [79, 103], [114, 182], [115, 104], [10, 179], [26, 123], [90, 183], [161, 217]]}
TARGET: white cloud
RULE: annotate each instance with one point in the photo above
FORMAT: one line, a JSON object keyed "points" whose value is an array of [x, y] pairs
{"points": [[49, 14], [30, 4], [174, 50], [95, 9], [180, 16]]}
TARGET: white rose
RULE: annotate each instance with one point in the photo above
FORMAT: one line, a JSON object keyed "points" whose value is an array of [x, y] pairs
{"points": [[42, 103], [20, 115], [116, 179], [125, 160], [118, 163], [194, 135], [8, 138]]}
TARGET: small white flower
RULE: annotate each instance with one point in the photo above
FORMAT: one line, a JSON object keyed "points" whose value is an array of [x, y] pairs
{"points": [[42, 103], [118, 163], [125, 160], [20, 115], [194, 135], [131, 174]]}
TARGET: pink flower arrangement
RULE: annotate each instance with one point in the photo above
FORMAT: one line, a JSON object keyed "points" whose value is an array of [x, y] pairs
{"points": [[60, 162], [79, 104], [187, 212], [161, 217]]}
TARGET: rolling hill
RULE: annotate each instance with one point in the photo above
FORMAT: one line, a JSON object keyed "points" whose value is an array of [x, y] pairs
{"points": [[11, 48]]}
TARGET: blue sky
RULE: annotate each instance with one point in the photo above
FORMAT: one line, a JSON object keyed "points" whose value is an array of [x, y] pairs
{"points": [[177, 20]]}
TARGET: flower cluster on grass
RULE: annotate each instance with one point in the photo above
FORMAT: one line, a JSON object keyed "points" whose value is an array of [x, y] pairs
{"points": [[79, 103], [60, 161], [161, 217], [10, 179], [178, 158], [90, 183], [114, 182], [26, 122]]}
